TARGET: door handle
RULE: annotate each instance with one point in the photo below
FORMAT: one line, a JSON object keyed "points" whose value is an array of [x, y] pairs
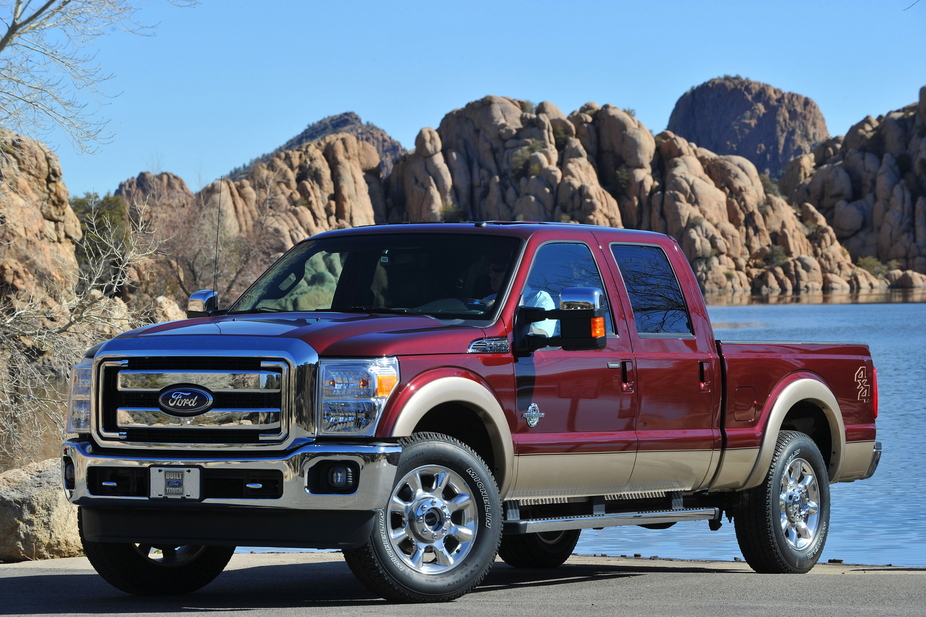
{"points": [[628, 382], [705, 375]]}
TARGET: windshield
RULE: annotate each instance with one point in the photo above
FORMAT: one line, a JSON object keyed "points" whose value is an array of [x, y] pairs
{"points": [[451, 276]]}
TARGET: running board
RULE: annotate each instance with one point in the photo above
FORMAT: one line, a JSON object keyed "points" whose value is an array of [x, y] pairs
{"points": [[610, 520]]}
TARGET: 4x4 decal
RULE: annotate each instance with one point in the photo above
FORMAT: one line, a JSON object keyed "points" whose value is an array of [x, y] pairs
{"points": [[864, 387]]}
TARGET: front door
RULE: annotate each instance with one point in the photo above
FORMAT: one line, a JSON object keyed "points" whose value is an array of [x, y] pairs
{"points": [[576, 414]]}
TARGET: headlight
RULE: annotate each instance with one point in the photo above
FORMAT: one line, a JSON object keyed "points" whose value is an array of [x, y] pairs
{"points": [[352, 394], [79, 397]]}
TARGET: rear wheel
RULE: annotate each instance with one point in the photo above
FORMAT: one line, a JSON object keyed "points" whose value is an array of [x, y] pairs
{"points": [[437, 537], [538, 550], [782, 524]]}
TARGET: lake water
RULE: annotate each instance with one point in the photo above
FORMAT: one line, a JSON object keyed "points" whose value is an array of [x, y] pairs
{"points": [[877, 521]]}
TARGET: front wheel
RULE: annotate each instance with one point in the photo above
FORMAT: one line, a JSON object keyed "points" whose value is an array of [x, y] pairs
{"points": [[154, 570], [538, 550], [437, 537], [782, 524]]}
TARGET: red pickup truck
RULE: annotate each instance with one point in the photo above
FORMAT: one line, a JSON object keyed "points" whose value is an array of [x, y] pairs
{"points": [[425, 397]]}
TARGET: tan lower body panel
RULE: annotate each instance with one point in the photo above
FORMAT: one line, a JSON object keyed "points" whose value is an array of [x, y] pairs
{"points": [[735, 467], [611, 473], [572, 475], [670, 470], [857, 460]]}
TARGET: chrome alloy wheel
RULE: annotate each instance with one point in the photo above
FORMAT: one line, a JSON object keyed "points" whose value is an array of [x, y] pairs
{"points": [[432, 519], [798, 504]]}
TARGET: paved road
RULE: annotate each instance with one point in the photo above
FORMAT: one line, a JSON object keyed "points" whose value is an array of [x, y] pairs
{"points": [[279, 584]]}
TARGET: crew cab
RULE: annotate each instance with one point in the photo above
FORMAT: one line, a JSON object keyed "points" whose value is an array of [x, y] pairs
{"points": [[427, 396]]}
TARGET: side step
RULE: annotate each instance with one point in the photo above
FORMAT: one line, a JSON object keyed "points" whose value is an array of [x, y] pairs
{"points": [[610, 520]]}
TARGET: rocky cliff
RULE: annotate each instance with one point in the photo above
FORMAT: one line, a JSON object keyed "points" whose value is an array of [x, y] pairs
{"points": [[325, 184], [503, 159], [330, 183], [498, 159], [871, 186], [37, 226], [732, 115], [388, 148]]}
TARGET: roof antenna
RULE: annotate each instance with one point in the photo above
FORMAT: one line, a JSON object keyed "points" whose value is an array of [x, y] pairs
{"points": [[218, 224]]}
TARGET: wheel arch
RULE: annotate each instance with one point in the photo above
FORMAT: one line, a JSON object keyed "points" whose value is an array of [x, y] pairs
{"points": [[462, 407], [803, 403]]}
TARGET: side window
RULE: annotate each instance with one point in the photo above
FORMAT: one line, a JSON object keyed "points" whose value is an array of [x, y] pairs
{"points": [[555, 267], [655, 296]]}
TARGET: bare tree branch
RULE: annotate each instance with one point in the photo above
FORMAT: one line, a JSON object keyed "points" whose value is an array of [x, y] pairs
{"points": [[47, 78], [42, 335]]}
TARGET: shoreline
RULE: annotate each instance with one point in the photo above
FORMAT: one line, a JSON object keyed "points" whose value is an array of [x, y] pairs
{"points": [[253, 559]]}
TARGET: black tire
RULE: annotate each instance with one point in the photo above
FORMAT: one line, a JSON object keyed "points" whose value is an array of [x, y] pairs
{"points": [[157, 570], [781, 525], [538, 550], [437, 537]]}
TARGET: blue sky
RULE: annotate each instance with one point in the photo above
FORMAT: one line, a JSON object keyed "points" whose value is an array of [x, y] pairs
{"points": [[229, 80]]}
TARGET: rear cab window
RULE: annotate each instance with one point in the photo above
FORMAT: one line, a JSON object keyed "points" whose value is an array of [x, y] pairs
{"points": [[659, 307]]}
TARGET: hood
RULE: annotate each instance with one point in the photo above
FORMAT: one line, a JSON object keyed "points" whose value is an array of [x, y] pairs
{"points": [[329, 334]]}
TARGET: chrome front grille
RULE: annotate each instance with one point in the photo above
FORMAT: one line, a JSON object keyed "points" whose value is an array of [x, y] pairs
{"points": [[249, 405]]}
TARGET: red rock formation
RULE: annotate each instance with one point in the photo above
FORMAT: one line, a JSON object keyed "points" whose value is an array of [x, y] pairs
{"points": [[37, 226], [732, 115], [494, 160], [871, 187]]}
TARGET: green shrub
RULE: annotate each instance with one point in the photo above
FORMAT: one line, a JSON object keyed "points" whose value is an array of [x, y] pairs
{"points": [[771, 188], [809, 229], [776, 257], [560, 137], [520, 160], [451, 213], [875, 267], [623, 177]]}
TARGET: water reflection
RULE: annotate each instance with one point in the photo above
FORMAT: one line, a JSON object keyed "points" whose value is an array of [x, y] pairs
{"points": [[880, 296]]}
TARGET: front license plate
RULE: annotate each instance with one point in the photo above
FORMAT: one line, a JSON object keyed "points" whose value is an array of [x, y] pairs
{"points": [[174, 482]]}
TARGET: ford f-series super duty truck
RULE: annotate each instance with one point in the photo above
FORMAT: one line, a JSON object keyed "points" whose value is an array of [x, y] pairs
{"points": [[424, 397]]}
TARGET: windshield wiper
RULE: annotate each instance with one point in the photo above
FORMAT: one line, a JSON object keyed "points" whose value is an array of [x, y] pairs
{"points": [[259, 309], [373, 309]]}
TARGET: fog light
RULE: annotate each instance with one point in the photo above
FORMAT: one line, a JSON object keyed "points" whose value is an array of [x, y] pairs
{"points": [[68, 474], [339, 477]]}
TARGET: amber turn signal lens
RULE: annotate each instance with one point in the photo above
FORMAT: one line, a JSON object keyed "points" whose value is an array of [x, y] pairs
{"points": [[598, 327], [385, 384]]}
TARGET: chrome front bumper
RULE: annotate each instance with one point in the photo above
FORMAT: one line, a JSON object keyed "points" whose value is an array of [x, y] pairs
{"points": [[375, 466]]}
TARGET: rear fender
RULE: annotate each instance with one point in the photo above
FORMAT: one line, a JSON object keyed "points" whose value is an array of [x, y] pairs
{"points": [[794, 389]]}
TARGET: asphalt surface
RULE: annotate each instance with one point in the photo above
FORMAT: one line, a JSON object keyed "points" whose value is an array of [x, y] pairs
{"points": [[277, 584]]}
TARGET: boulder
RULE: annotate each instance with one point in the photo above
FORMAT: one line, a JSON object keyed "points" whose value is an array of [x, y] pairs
{"points": [[36, 519], [732, 115]]}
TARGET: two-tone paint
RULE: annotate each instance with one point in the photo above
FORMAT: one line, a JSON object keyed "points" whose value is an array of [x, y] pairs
{"points": [[645, 416]]}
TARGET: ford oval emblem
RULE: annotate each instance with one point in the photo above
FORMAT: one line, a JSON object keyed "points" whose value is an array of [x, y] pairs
{"points": [[185, 400]]}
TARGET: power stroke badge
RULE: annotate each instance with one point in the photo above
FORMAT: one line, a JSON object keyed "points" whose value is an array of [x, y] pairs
{"points": [[185, 400]]}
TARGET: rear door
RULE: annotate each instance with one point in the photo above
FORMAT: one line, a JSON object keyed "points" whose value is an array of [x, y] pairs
{"points": [[677, 375]]}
